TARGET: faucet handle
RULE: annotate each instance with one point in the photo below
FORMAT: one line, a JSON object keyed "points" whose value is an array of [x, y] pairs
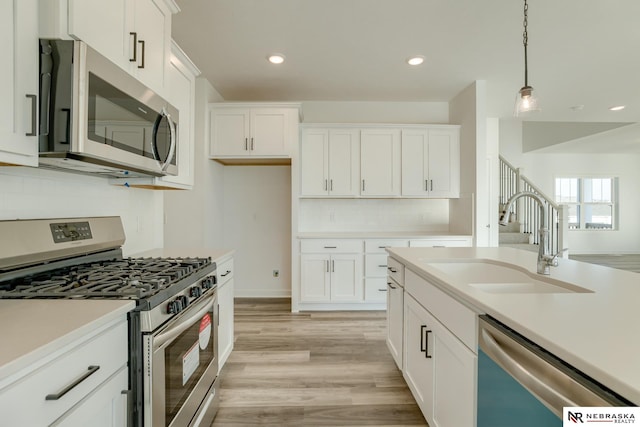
{"points": [[553, 259]]}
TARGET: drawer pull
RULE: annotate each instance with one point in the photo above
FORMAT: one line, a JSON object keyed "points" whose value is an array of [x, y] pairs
{"points": [[90, 371], [382, 290], [391, 286], [226, 274], [383, 247], [391, 269], [331, 247], [382, 265]]}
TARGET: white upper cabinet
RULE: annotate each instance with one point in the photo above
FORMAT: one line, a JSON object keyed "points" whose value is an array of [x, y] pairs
{"points": [[330, 160], [135, 34], [431, 162], [19, 83], [380, 162], [252, 131]]}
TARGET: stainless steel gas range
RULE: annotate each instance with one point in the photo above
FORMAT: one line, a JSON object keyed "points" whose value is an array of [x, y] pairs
{"points": [[173, 360]]}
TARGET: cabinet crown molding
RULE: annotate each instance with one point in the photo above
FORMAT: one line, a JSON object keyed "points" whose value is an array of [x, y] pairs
{"points": [[379, 125]]}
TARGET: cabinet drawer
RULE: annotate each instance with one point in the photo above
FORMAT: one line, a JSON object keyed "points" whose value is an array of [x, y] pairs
{"points": [[331, 246], [436, 243], [378, 245], [25, 402], [375, 265], [395, 270], [458, 318], [375, 289], [224, 272]]}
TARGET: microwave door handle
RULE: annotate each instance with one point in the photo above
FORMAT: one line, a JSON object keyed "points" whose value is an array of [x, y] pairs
{"points": [[172, 146], [168, 336]]}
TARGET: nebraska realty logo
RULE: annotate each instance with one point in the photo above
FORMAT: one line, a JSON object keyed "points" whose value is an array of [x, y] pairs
{"points": [[603, 416]]}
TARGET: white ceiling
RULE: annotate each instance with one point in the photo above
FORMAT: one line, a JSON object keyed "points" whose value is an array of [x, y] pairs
{"points": [[581, 52]]}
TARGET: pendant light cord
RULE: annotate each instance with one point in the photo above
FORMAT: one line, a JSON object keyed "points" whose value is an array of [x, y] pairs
{"points": [[525, 41]]}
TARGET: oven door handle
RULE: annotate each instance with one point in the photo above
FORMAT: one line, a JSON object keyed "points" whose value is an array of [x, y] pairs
{"points": [[174, 331]]}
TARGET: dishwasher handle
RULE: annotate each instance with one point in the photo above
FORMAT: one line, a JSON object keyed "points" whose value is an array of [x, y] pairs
{"points": [[545, 376]]}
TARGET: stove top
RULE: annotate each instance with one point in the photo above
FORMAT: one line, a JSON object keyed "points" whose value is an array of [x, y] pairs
{"points": [[128, 278]]}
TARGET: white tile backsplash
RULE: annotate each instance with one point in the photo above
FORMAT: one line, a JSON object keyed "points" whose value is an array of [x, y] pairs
{"points": [[337, 215], [28, 193]]}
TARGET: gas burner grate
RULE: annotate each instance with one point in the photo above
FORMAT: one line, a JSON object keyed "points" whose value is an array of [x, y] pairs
{"points": [[129, 278]]}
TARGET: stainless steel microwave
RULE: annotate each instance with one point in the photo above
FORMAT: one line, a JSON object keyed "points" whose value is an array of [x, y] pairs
{"points": [[96, 118]]}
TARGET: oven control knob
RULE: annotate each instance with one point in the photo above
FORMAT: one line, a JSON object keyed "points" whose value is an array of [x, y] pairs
{"points": [[183, 301], [207, 283], [173, 307], [195, 292]]}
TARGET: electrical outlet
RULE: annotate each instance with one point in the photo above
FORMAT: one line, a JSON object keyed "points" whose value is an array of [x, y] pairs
{"points": [[276, 273]]}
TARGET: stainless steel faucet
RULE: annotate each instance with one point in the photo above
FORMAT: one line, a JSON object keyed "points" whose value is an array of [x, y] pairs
{"points": [[545, 259]]}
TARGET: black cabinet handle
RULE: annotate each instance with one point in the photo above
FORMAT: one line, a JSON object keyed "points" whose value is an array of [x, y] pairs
{"points": [[391, 269], [391, 286], [383, 290], [142, 46], [252, 146], [34, 113], [246, 144], [90, 371], [226, 274], [422, 335], [135, 47], [382, 265], [426, 346], [330, 247]]}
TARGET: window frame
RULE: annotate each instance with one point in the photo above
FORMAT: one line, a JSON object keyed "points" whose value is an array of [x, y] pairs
{"points": [[581, 204]]}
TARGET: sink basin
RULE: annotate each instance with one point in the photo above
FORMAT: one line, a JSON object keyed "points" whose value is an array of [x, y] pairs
{"points": [[492, 277]]}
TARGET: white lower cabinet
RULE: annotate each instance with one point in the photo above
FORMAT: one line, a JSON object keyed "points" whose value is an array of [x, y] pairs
{"points": [[395, 320], [224, 273], [80, 385], [438, 368], [331, 278]]}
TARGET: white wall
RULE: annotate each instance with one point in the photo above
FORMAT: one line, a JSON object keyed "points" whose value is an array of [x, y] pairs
{"points": [[257, 224], [28, 193], [468, 109], [543, 168], [194, 219], [348, 215]]}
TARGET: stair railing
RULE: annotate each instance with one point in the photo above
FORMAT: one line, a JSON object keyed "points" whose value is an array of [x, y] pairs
{"points": [[527, 211]]}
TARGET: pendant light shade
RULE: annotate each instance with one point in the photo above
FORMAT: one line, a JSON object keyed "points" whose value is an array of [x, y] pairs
{"points": [[526, 100]]}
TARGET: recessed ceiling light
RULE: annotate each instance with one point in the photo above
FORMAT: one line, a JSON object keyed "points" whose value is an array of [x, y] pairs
{"points": [[415, 60], [617, 108], [276, 58]]}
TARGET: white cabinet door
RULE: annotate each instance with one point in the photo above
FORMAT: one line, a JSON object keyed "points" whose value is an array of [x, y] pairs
{"points": [[380, 162], [395, 320], [230, 131], [269, 131], [444, 163], [418, 357], [104, 26], [415, 177], [344, 161], [430, 163], [152, 23], [225, 313], [315, 278], [314, 162], [346, 278], [454, 369], [19, 83]]}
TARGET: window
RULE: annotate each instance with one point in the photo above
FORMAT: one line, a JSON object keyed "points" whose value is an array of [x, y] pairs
{"points": [[591, 202]]}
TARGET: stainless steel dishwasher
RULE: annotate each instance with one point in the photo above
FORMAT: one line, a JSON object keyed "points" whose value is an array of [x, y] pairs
{"points": [[520, 383]]}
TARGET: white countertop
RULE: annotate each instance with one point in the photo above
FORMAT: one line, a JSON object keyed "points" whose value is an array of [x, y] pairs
{"points": [[33, 329], [379, 235], [217, 255], [596, 332]]}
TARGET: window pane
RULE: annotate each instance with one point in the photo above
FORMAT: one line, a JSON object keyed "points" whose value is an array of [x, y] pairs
{"points": [[567, 190], [598, 216], [597, 190], [574, 216]]}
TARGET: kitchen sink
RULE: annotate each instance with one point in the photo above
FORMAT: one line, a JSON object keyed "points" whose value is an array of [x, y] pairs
{"points": [[495, 277]]}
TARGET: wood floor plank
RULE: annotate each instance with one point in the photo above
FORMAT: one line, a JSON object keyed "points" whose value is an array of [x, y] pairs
{"points": [[311, 369]]}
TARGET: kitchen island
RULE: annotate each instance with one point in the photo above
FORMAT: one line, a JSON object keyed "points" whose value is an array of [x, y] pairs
{"points": [[591, 322]]}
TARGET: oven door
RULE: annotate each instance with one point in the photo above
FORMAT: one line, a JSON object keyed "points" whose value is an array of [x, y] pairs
{"points": [[181, 367]]}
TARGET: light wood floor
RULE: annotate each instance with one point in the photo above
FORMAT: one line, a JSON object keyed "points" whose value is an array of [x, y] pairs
{"points": [[629, 262], [311, 369]]}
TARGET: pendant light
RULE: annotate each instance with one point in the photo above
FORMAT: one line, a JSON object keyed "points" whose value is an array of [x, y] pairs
{"points": [[526, 100]]}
